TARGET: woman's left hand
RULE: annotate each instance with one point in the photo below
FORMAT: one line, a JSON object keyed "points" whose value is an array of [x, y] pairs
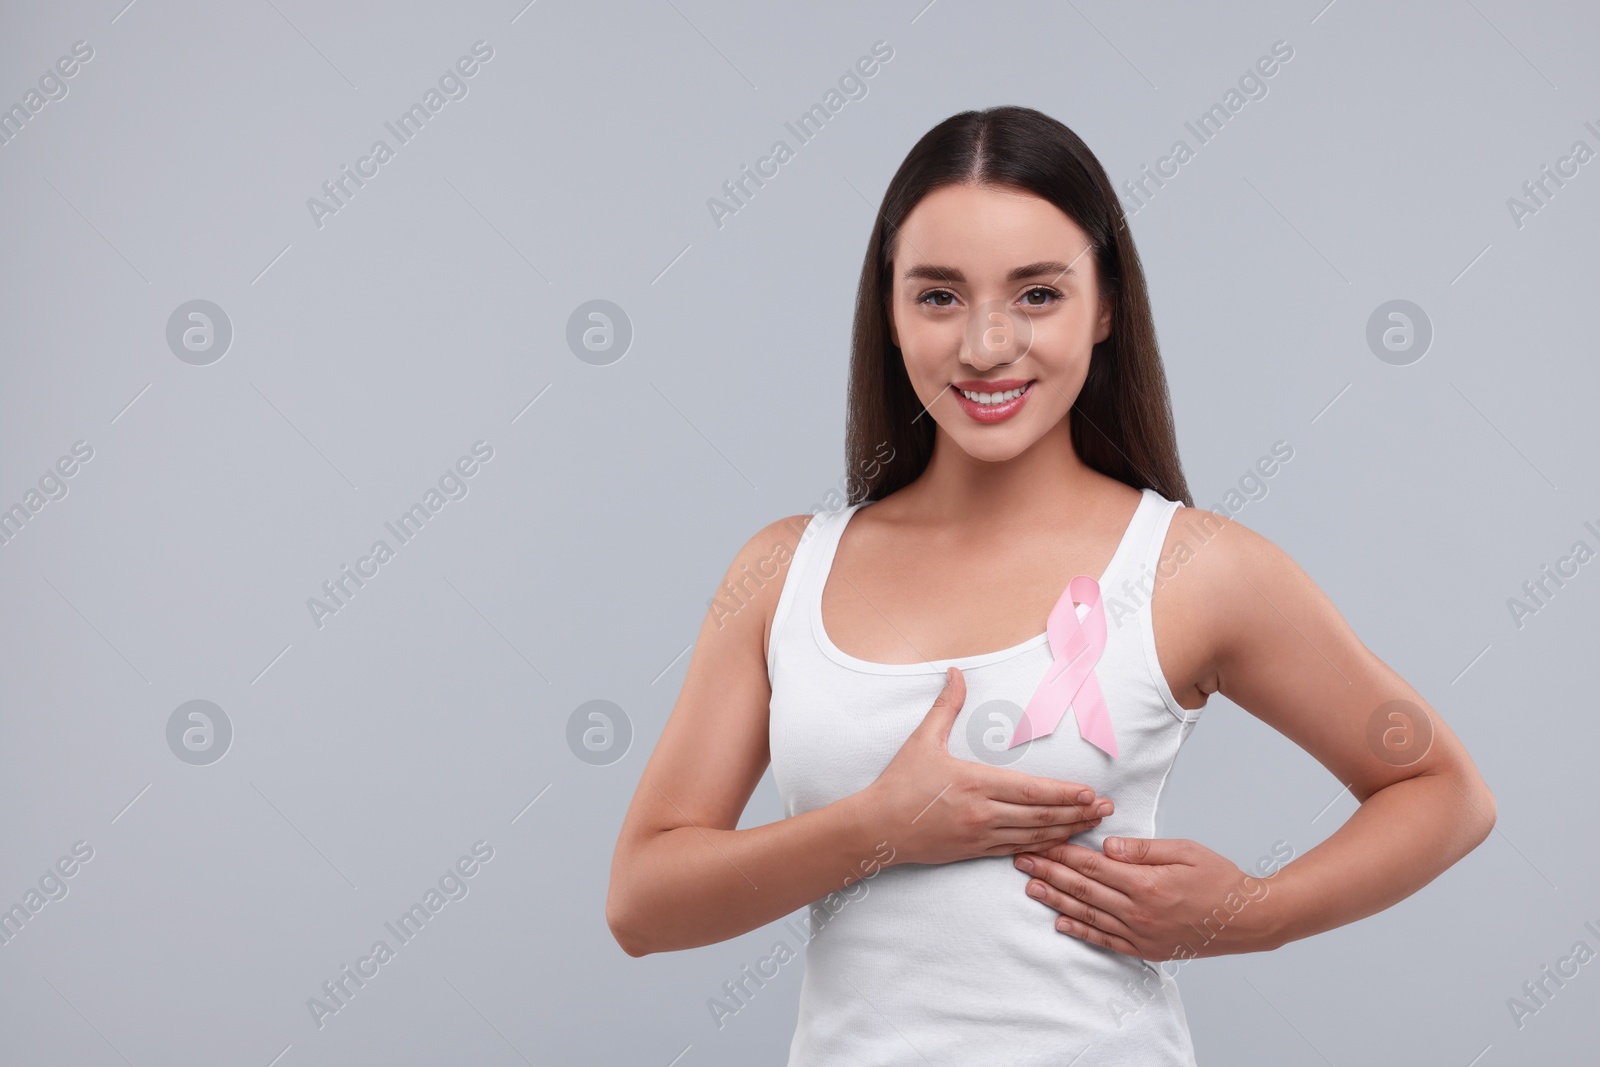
{"points": [[1154, 898]]}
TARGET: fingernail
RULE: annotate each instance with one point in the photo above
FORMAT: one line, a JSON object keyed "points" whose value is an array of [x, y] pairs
{"points": [[1085, 796], [1104, 807], [1023, 863], [1035, 889], [1114, 844]]}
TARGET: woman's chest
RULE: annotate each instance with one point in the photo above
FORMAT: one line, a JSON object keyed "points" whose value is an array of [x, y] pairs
{"points": [[834, 730], [904, 612]]}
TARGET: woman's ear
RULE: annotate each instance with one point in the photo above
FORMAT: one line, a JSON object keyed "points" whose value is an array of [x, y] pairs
{"points": [[1103, 327]]}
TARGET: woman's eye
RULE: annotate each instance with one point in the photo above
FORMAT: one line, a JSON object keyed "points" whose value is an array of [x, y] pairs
{"points": [[1037, 297]]}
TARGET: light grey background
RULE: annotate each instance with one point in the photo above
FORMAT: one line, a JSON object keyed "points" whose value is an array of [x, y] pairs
{"points": [[432, 710]]}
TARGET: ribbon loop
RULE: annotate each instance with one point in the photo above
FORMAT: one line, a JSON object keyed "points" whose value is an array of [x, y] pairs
{"points": [[1076, 645]]}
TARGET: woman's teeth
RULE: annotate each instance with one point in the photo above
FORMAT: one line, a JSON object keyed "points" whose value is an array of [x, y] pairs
{"points": [[994, 398]]}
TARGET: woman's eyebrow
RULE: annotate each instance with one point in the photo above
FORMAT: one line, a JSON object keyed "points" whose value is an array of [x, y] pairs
{"points": [[933, 273]]}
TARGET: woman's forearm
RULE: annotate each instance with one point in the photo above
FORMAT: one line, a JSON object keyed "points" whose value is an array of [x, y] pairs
{"points": [[1400, 839], [692, 886]]}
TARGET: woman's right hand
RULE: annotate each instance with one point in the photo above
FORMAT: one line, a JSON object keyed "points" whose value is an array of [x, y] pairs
{"points": [[932, 807]]}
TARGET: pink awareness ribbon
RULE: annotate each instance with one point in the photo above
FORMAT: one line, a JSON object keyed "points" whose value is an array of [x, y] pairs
{"points": [[1076, 645]]}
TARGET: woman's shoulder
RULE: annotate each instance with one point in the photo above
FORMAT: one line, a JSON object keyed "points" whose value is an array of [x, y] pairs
{"points": [[1225, 545], [775, 543], [1215, 568], [754, 579], [1218, 587]]}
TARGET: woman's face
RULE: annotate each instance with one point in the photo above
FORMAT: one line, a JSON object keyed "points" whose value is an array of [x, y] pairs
{"points": [[995, 291]]}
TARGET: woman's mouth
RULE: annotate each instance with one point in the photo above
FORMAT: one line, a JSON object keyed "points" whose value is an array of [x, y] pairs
{"points": [[992, 401]]}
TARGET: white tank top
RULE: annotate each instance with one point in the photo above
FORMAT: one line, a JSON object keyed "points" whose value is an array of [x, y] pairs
{"points": [[954, 963]]}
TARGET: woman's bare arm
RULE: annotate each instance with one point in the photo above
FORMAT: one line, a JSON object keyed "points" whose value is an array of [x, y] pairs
{"points": [[1234, 614], [1285, 654], [681, 875]]}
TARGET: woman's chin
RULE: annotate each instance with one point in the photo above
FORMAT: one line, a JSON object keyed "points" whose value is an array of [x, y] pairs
{"points": [[994, 447]]}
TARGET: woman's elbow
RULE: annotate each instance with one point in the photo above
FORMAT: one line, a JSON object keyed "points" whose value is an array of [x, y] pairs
{"points": [[628, 927], [625, 939], [623, 924], [1490, 812], [1482, 811]]}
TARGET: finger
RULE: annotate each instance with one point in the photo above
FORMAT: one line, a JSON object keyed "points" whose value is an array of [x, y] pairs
{"points": [[1097, 936], [1078, 911], [1097, 866], [1015, 787], [1004, 814], [1062, 883], [946, 708], [1014, 839], [1150, 850]]}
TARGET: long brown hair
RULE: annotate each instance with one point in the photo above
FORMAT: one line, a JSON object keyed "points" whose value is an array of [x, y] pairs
{"points": [[1122, 420]]}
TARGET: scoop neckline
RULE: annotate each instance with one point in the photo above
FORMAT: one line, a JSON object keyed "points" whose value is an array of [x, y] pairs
{"points": [[938, 666]]}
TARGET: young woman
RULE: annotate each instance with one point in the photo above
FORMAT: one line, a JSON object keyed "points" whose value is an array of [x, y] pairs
{"points": [[973, 680]]}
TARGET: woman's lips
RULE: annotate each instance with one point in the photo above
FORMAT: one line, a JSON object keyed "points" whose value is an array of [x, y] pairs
{"points": [[991, 413]]}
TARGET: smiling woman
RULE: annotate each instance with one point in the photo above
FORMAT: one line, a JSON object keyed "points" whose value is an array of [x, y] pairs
{"points": [[933, 671]]}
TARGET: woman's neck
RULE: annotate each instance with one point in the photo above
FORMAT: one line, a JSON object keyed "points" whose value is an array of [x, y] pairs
{"points": [[1047, 483]]}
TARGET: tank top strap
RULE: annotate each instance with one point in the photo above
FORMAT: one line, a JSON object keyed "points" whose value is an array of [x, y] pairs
{"points": [[1160, 522], [1127, 591], [1135, 563], [816, 542]]}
